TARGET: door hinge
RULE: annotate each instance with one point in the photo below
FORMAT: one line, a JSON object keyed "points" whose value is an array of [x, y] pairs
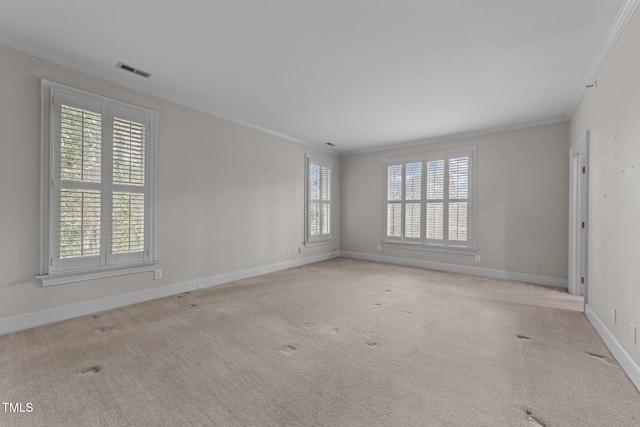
{"points": [[584, 169], [582, 280], [582, 224]]}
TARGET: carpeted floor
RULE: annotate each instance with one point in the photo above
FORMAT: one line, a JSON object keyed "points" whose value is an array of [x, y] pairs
{"points": [[338, 343]]}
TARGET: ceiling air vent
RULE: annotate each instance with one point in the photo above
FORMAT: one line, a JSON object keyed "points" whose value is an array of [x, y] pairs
{"points": [[133, 70]]}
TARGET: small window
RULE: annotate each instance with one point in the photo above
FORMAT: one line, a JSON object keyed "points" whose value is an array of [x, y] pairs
{"points": [[318, 200], [429, 201], [97, 189]]}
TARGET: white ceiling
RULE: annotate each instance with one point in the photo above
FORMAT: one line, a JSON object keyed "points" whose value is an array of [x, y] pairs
{"points": [[362, 74]]}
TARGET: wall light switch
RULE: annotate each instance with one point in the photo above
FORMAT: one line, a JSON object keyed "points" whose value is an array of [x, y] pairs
{"points": [[157, 274]]}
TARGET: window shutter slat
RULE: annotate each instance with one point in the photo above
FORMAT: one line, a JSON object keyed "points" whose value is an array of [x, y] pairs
{"points": [[314, 182], [394, 182], [128, 223], [413, 181], [80, 145], [458, 221], [314, 219], [326, 184], [435, 221], [394, 219], [435, 180], [326, 218], [458, 178], [78, 232], [412, 220], [128, 152]]}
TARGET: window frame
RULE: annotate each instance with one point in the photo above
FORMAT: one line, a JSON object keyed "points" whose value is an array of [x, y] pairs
{"points": [[424, 243], [322, 238], [52, 270]]}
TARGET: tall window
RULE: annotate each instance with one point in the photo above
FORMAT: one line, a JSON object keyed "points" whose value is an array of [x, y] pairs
{"points": [[97, 198], [429, 200], [318, 200]]}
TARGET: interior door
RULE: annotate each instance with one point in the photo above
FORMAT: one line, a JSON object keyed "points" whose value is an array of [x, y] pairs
{"points": [[579, 217], [583, 223]]}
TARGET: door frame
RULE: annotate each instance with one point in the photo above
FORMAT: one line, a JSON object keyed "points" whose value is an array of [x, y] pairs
{"points": [[577, 255]]}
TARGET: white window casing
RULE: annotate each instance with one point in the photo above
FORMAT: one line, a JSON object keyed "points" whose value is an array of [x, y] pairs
{"points": [[97, 197], [318, 200], [430, 201]]}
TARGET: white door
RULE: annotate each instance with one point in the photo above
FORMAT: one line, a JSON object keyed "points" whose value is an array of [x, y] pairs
{"points": [[579, 217], [583, 208]]}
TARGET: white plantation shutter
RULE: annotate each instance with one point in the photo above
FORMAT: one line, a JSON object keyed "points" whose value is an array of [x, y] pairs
{"points": [[128, 152], [435, 221], [79, 232], [318, 203], [435, 200], [77, 184], [458, 198], [458, 222], [429, 200], [127, 234], [413, 200], [128, 223], [80, 145], [97, 204], [394, 220], [394, 202]]}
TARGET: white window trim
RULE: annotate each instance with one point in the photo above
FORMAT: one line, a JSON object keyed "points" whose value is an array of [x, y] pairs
{"points": [[322, 239], [424, 244], [47, 276]]}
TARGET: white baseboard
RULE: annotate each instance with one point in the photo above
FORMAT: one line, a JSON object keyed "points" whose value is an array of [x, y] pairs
{"points": [[44, 317], [464, 269], [630, 366]]}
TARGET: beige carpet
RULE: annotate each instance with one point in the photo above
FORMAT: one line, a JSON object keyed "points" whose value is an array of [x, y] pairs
{"points": [[337, 343]]}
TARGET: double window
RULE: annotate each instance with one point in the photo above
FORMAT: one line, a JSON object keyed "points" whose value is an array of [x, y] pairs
{"points": [[318, 200], [429, 201], [97, 197]]}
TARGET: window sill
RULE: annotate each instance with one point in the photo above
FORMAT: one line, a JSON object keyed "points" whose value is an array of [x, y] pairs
{"points": [[432, 248], [322, 242], [95, 273]]}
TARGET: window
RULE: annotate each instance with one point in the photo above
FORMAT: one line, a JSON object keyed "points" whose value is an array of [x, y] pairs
{"points": [[97, 186], [429, 201], [318, 201]]}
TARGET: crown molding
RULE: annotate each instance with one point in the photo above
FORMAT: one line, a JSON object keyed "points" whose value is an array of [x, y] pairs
{"points": [[37, 53], [606, 47], [451, 137]]}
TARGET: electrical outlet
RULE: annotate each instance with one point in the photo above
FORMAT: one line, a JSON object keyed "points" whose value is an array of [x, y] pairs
{"points": [[379, 248], [477, 258], [614, 318], [634, 336], [288, 252], [157, 274]]}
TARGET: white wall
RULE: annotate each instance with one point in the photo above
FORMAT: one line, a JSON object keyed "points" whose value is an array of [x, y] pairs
{"points": [[229, 198], [611, 112], [522, 200]]}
